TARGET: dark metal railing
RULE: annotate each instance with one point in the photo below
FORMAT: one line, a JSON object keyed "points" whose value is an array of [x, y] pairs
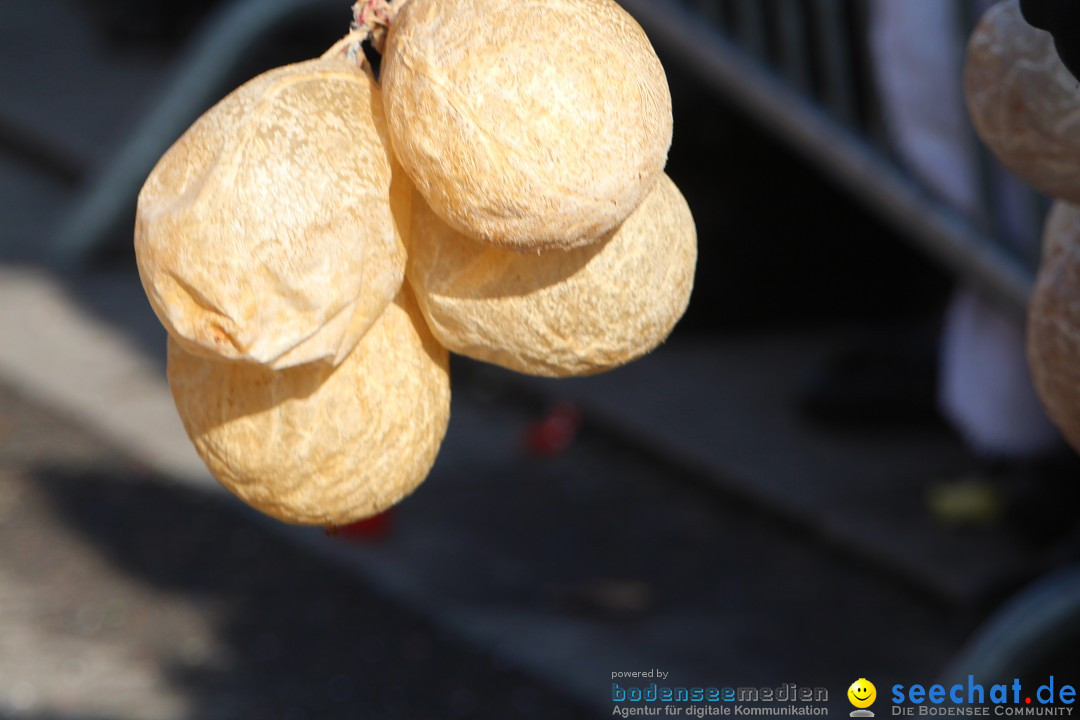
{"points": [[801, 68]]}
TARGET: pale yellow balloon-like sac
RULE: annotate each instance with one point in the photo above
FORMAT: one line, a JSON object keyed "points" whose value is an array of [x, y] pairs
{"points": [[315, 444], [1061, 229], [1053, 334], [560, 312], [273, 230], [1024, 102], [527, 124]]}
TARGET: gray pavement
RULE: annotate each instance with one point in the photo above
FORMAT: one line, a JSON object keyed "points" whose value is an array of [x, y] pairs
{"points": [[729, 410], [127, 595]]}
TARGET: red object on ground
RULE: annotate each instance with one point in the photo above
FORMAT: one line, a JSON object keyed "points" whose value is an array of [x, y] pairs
{"points": [[375, 527], [555, 432]]}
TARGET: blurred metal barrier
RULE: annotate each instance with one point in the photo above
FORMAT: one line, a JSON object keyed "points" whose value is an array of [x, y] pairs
{"points": [[800, 68], [105, 208]]}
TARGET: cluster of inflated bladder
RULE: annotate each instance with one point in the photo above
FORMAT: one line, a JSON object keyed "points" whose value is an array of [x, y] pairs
{"points": [[317, 241]]}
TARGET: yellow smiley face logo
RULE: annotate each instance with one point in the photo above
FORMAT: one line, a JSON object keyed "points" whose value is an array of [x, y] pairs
{"points": [[862, 693]]}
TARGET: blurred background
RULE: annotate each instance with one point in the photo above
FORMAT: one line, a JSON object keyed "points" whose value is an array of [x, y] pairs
{"points": [[834, 469]]}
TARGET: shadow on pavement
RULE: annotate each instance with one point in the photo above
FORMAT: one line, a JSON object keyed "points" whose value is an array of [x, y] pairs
{"points": [[268, 631]]}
